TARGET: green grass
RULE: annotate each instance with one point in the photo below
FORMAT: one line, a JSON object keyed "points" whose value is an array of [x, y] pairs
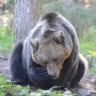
{"points": [[92, 71], [6, 39], [88, 45], [88, 42]]}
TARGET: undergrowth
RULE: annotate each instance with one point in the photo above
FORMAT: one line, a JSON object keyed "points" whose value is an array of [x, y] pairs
{"points": [[88, 45], [6, 39], [7, 88]]}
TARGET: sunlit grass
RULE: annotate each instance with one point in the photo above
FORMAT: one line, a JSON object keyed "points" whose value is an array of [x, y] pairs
{"points": [[6, 40], [88, 48], [88, 42], [92, 71]]}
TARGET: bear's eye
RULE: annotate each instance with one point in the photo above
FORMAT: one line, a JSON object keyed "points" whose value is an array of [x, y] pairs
{"points": [[46, 62], [55, 60]]}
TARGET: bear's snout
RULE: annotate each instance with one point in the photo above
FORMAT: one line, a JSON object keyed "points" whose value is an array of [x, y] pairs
{"points": [[53, 76], [53, 70]]}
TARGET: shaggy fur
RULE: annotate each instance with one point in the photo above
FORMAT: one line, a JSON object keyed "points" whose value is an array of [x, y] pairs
{"points": [[49, 56]]}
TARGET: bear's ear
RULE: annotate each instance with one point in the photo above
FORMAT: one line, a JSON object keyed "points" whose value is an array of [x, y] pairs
{"points": [[59, 37], [34, 44]]}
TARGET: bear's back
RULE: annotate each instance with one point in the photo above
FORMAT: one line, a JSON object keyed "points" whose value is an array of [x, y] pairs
{"points": [[49, 22]]}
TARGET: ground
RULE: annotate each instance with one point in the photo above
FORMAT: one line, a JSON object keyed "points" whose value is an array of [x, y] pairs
{"points": [[87, 86], [4, 67]]}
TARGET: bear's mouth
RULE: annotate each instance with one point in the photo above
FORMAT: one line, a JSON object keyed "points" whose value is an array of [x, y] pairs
{"points": [[54, 77]]}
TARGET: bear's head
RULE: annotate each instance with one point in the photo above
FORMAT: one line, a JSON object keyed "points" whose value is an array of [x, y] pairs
{"points": [[50, 52]]}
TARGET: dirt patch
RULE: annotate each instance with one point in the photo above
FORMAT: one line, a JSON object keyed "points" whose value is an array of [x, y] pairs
{"points": [[4, 66], [87, 85]]}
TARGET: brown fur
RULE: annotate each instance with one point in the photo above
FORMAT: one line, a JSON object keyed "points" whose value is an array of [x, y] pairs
{"points": [[49, 56]]}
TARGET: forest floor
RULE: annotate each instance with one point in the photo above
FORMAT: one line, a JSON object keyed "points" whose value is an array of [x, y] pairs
{"points": [[87, 85]]}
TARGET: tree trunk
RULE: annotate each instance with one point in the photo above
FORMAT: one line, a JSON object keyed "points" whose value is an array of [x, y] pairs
{"points": [[27, 13]]}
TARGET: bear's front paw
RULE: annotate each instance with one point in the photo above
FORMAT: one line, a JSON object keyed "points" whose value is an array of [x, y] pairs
{"points": [[19, 81], [39, 74]]}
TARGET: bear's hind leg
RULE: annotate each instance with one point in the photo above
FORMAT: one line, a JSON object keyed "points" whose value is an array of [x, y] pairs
{"points": [[82, 67], [16, 66]]}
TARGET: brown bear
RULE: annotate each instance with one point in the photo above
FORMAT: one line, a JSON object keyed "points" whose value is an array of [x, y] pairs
{"points": [[49, 56]]}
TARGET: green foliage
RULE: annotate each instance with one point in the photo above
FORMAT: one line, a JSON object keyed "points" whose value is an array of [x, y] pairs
{"points": [[6, 39], [9, 4], [92, 70], [7, 88], [88, 43]]}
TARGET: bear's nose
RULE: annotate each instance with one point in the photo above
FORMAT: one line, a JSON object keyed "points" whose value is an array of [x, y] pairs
{"points": [[52, 76]]}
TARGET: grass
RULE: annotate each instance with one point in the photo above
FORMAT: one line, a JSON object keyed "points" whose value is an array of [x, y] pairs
{"points": [[88, 45], [6, 39], [88, 48]]}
